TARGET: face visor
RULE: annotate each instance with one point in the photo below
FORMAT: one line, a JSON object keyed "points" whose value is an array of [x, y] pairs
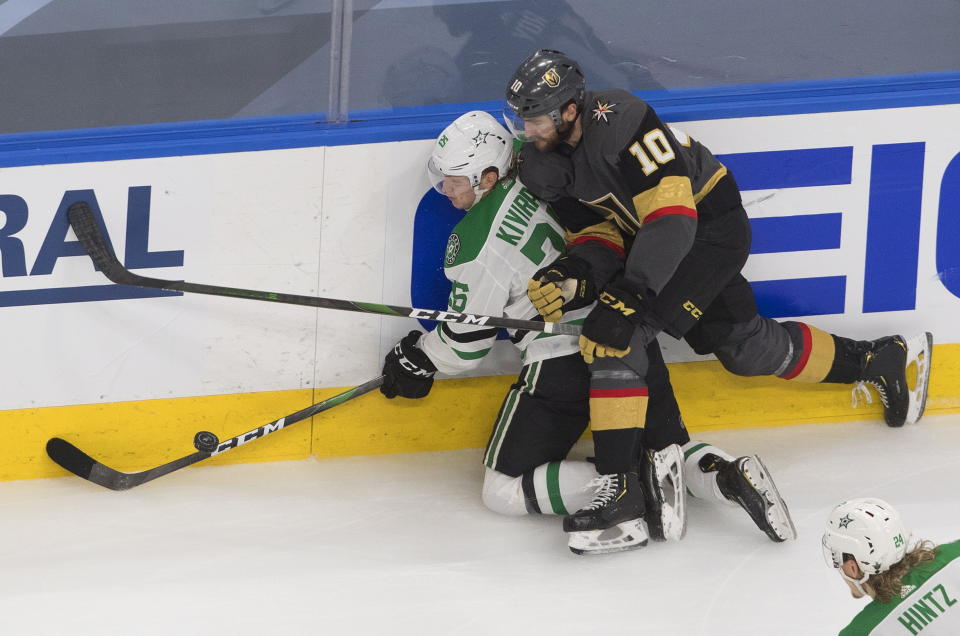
{"points": [[531, 128], [447, 185], [831, 556]]}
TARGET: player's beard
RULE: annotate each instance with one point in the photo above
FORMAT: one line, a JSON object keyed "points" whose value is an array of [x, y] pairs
{"points": [[559, 135]]}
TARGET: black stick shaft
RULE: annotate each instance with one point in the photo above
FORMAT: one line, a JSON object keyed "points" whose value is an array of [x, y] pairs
{"points": [[287, 420], [85, 226], [79, 463]]}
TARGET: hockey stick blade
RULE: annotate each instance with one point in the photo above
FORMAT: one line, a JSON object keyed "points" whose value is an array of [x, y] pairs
{"points": [[82, 465], [85, 226]]}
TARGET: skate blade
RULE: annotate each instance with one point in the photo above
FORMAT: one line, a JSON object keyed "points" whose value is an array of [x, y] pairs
{"points": [[919, 354], [668, 466], [629, 535], [778, 515]]}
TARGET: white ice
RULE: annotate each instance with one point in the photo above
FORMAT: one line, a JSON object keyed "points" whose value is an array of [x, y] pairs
{"points": [[401, 545]]}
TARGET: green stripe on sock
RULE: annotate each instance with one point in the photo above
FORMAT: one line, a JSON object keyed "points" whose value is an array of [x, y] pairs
{"points": [[553, 488], [693, 450]]}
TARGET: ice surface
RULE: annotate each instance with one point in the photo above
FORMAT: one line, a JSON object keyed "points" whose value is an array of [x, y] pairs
{"points": [[401, 545]]}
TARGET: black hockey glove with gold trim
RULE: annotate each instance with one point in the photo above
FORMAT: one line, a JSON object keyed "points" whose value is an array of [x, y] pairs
{"points": [[564, 285], [608, 329]]}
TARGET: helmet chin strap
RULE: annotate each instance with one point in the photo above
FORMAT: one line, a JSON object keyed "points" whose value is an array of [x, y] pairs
{"points": [[478, 194], [857, 583]]}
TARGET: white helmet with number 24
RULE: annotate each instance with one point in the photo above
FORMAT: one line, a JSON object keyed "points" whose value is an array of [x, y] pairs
{"points": [[474, 142], [868, 529]]}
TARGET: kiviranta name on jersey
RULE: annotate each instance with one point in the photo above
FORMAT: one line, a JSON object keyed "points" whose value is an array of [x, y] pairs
{"points": [[517, 217]]}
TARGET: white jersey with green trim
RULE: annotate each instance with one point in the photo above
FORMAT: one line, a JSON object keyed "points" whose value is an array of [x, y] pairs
{"points": [[491, 254], [929, 603]]}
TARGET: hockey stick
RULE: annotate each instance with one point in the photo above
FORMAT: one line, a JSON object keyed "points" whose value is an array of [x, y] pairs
{"points": [[85, 226], [82, 465]]}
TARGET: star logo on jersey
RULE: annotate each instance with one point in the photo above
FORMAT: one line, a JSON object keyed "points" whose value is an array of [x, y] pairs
{"points": [[845, 521], [480, 138], [602, 110], [453, 248]]}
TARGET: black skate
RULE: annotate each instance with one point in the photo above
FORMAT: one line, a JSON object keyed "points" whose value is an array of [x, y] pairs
{"points": [[885, 367], [746, 481], [613, 521], [666, 494]]}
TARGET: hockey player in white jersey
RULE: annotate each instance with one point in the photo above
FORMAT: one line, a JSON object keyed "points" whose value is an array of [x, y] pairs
{"points": [[915, 588], [505, 238]]}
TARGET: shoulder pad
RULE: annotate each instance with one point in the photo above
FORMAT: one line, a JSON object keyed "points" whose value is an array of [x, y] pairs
{"points": [[547, 175], [611, 119]]}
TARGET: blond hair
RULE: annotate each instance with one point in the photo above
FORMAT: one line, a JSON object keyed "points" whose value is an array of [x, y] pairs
{"points": [[887, 585]]}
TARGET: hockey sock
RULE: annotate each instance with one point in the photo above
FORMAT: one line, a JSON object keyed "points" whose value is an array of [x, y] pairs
{"points": [[558, 488], [554, 488], [848, 361], [700, 470], [812, 354], [616, 419]]}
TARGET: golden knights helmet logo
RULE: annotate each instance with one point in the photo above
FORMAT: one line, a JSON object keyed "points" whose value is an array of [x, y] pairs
{"points": [[552, 78]]}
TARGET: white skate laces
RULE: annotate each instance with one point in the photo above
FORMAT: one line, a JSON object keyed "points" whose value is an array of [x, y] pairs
{"points": [[606, 486], [861, 392], [613, 521], [916, 377]]}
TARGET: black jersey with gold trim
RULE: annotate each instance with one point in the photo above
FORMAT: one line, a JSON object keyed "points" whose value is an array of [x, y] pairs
{"points": [[657, 184]]}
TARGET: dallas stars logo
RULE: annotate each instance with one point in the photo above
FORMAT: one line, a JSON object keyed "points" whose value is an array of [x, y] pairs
{"points": [[845, 521], [602, 110], [453, 248], [480, 138]]}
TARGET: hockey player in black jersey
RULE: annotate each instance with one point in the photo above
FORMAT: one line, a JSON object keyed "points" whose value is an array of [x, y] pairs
{"points": [[660, 232], [641, 487]]}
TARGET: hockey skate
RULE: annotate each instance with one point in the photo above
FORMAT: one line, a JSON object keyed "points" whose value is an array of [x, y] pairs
{"points": [[885, 366], [666, 494], [747, 482], [613, 521]]}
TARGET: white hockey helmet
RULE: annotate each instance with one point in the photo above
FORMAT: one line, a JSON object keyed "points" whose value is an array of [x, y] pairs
{"points": [[474, 142], [868, 529]]}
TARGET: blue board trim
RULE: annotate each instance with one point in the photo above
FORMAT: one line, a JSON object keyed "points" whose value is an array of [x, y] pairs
{"points": [[425, 122]]}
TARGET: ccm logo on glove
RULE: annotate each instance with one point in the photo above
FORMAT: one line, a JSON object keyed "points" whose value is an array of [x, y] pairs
{"points": [[616, 304]]}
